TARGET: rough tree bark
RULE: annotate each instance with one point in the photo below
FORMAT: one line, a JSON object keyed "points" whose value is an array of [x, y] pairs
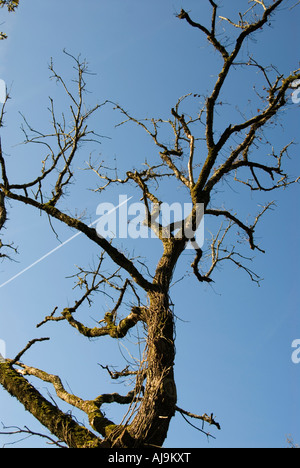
{"points": [[154, 395]]}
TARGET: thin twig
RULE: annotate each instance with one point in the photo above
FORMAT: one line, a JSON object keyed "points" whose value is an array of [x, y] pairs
{"points": [[28, 346]]}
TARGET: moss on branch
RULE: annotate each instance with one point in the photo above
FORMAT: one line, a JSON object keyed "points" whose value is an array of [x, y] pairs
{"points": [[58, 423]]}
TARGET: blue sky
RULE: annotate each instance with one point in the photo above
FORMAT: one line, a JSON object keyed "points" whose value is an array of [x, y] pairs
{"points": [[233, 338]]}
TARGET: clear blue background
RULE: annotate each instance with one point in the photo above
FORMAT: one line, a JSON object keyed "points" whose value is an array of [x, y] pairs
{"points": [[233, 338]]}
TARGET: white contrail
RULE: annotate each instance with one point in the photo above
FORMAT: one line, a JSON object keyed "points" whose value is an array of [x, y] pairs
{"points": [[61, 245]]}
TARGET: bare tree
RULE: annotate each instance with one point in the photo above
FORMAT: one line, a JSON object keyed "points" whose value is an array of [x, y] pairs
{"points": [[238, 151]]}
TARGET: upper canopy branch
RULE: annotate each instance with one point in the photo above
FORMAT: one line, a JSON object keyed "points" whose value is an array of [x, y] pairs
{"points": [[249, 230], [220, 253], [191, 139], [166, 153], [210, 34], [247, 27], [276, 101], [228, 62], [10, 4], [62, 145]]}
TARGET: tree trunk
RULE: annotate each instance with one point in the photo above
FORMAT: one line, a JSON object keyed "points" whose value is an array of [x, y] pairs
{"points": [[158, 407]]}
